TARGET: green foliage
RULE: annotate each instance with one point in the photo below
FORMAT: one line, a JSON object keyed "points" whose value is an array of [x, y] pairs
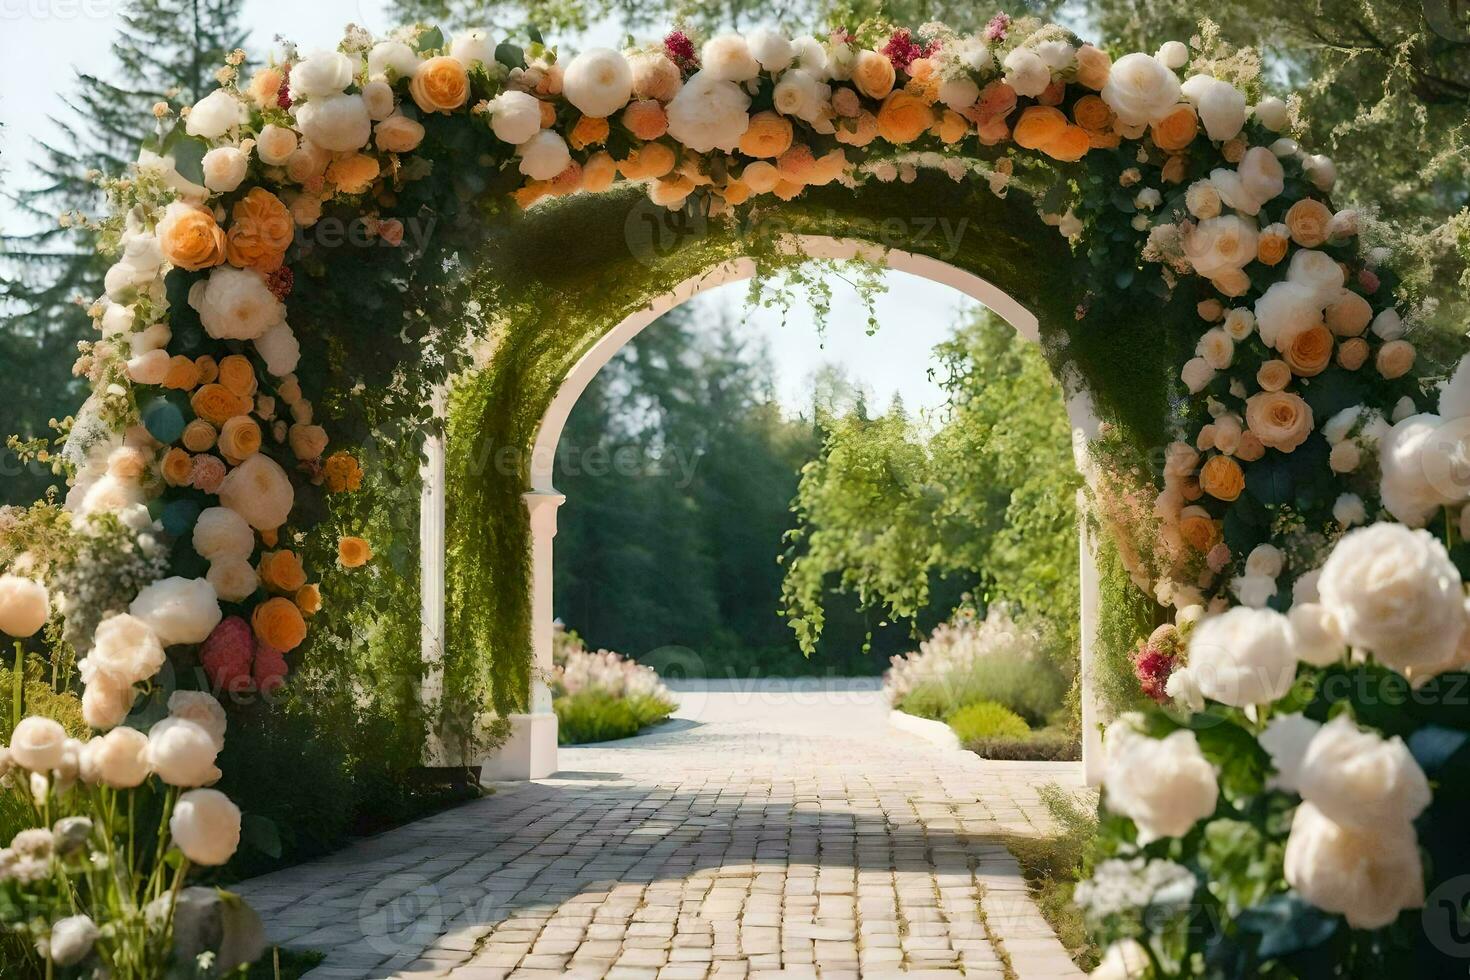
{"points": [[596, 716], [1030, 686], [1052, 744], [987, 719], [1054, 864]]}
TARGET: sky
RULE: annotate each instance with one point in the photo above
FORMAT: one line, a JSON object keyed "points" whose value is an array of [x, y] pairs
{"points": [[42, 41]]}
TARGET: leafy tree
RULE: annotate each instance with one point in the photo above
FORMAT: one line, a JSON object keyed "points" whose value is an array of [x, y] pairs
{"points": [[165, 51]]}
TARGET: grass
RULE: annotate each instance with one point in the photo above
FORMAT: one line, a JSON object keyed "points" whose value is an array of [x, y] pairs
{"points": [[986, 720], [594, 716], [1055, 743], [1052, 867], [1032, 687]]}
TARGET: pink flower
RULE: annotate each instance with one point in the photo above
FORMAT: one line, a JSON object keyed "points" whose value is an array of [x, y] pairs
{"points": [[1218, 557], [391, 231], [227, 653], [270, 669], [1152, 668], [1368, 279], [208, 473], [680, 49], [996, 29]]}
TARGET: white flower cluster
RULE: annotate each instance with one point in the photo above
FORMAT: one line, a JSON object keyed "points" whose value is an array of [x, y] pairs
{"points": [[609, 673], [1120, 886], [954, 650]]}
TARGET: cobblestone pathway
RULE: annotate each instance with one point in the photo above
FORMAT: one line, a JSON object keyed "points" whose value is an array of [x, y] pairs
{"points": [[784, 831]]}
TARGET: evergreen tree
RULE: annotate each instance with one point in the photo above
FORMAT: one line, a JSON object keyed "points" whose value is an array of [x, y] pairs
{"points": [[165, 51]]}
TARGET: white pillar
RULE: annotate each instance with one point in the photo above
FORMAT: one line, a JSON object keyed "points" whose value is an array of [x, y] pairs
{"points": [[431, 587], [530, 751], [1092, 721]]}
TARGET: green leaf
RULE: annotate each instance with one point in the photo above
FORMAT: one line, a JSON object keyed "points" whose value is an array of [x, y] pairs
{"points": [[510, 55], [1269, 480], [1287, 924], [188, 153], [430, 40], [534, 33]]}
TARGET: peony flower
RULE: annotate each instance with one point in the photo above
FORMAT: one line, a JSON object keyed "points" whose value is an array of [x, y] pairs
{"points": [[377, 95], [1243, 656], [220, 533], [394, 56], [1280, 419], [1271, 112], [105, 703], [338, 123], [800, 94], [1286, 739], [544, 155], [1396, 594], [233, 579], [216, 114], [1395, 359], [1026, 72], [1164, 786], [224, 168], [38, 744], [178, 610], [709, 113], [118, 760], [727, 58], [473, 45], [259, 491], [873, 74], [1367, 876], [279, 349], [181, 753], [654, 75], [1197, 374], [439, 84], [515, 116], [1221, 106], [71, 940], [201, 708], [1219, 245], [235, 304], [25, 605], [320, 73], [598, 82], [205, 825], [1357, 778], [1141, 90], [1319, 639], [124, 649], [400, 134], [275, 144]]}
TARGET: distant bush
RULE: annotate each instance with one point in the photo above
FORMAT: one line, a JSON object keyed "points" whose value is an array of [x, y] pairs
{"points": [[603, 695], [987, 720], [596, 716]]}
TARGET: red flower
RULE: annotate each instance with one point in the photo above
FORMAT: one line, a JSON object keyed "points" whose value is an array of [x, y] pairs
{"points": [[680, 49], [901, 49], [227, 655], [1152, 668], [283, 94], [270, 669], [280, 282]]}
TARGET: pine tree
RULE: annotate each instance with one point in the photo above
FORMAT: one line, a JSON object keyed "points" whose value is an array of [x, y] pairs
{"points": [[165, 51]]}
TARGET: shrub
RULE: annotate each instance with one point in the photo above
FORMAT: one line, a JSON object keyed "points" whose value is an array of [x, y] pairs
{"points": [[598, 716], [986, 719], [1048, 745]]}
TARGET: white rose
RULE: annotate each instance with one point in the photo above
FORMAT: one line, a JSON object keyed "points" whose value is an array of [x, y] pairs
{"points": [[1318, 634], [1272, 113], [727, 58], [515, 116], [1125, 959], [220, 533], [275, 144], [38, 744], [236, 304], [1321, 171], [1388, 325], [1202, 199], [800, 94], [1216, 348], [1285, 309], [279, 349], [544, 155], [25, 605], [1141, 90], [259, 491], [105, 703], [201, 708], [1337, 428], [1358, 778], [1243, 656], [598, 82], [206, 826], [1265, 559], [1239, 323], [182, 753], [1257, 180], [224, 168], [1368, 876], [72, 939], [149, 368], [1221, 106], [773, 51], [339, 123], [377, 95], [1286, 739], [1454, 395], [1348, 510], [178, 610], [1318, 272], [1222, 244], [1196, 374], [233, 579], [1056, 55], [471, 46], [709, 113], [1173, 55], [1345, 457], [126, 649], [1420, 458], [216, 114], [1396, 594], [392, 55], [1163, 785], [808, 54], [319, 74], [118, 760], [1254, 591], [1026, 72]]}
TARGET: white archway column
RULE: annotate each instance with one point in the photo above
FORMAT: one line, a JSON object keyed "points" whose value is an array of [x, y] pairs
{"points": [[530, 750], [432, 496]]}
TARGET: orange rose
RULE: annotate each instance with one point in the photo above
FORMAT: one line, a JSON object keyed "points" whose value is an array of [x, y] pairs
{"points": [[278, 624], [648, 162], [860, 130], [1172, 172], [1038, 126], [353, 174], [768, 135], [951, 127], [1307, 221], [1068, 146], [239, 438], [1353, 353], [532, 192], [260, 231], [760, 177], [589, 131], [1395, 358], [177, 466], [218, 404], [646, 119], [309, 599], [440, 85], [281, 571], [1250, 448], [873, 74], [398, 134], [1199, 529], [1273, 375], [598, 172], [923, 83], [1176, 130], [1093, 114], [1308, 351], [236, 374], [1272, 245], [1279, 419], [1222, 478], [265, 87], [199, 436], [353, 552], [903, 118], [1093, 67], [735, 192], [548, 115], [342, 472], [797, 164], [189, 237], [208, 369], [183, 374]]}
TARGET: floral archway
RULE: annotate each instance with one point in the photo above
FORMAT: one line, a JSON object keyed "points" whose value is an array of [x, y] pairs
{"points": [[312, 254]]}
